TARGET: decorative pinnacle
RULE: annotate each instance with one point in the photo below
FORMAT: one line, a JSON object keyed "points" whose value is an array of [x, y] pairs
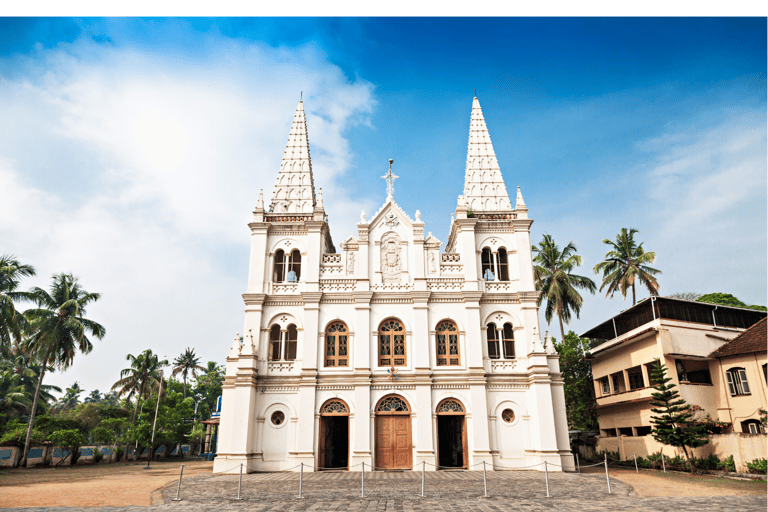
{"points": [[390, 179], [475, 93]]}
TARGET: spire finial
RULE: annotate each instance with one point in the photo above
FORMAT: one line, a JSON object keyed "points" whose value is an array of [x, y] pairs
{"points": [[475, 93], [301, 97], [390, 179]]}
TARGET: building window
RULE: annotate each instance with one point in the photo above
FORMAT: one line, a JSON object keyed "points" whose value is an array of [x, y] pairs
{"points": [[643, 431], [336, 345], [447, 337], [503, 265], [618, 382], [508, 342], [625, 431], [392, 343], [278, 417], [287, 267], [508, 415], [486, 260], [493, 342], [604, 386], [737, 381], [279, 339], [275, 338], [635, 378], [752, 427]]}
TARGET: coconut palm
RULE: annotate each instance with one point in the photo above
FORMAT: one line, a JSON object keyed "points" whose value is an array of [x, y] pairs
{"points": [[141, 378], [14, 399], [59, 327], [625, 263], [28, 374], [552, 273], [187, 363], [11, 321], [93, 398], [70, 399]]}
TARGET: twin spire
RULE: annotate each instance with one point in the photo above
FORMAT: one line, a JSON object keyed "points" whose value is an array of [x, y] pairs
{"points": [[295, 188], [484, 189]]}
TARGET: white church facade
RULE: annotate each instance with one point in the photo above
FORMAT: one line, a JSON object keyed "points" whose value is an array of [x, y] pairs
{"points": [[389, 351]]}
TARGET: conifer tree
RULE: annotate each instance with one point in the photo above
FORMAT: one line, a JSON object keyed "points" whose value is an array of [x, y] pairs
{"points": [[674, 422]]}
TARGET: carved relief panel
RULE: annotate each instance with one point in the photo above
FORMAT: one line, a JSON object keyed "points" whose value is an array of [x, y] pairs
{"points": [[391, 258]]}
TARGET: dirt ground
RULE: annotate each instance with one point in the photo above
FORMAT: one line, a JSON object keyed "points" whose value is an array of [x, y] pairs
{"points": [[84, 486], [650, 483], [131, 484]]}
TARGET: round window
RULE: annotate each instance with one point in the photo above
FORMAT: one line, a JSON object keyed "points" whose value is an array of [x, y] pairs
{"points": [[508, 415], [278, 418]]}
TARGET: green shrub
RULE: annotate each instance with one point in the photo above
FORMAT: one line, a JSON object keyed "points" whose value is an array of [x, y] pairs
{"points": [[119, 451], [71, 439], [727, 464], [97, 455], [757, 466], [17, 436], [707, 463]]}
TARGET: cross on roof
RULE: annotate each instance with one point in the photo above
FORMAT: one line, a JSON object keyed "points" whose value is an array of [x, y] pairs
{"points": [[390, 179]]}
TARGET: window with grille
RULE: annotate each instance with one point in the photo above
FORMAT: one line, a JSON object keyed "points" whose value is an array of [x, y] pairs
{"points": [[336, 345], [278, 275], [450, 406], [392, 343], [287, 267], [737, 382], [486, 260], [392, 404], [294, 266], [447, 344], [635, 378], [508, 415], [605, 387]]}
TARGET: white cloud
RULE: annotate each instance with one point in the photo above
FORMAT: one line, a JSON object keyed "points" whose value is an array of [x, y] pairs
{"points": [[138, 171]]}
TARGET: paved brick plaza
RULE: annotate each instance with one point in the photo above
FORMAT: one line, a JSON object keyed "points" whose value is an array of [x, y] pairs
{"points": [[445, 491]]}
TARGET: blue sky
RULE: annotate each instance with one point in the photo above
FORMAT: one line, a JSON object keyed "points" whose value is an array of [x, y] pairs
{"points": [[132, 151]]}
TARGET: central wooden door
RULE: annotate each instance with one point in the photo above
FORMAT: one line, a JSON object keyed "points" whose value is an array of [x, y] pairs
{"points": [[393, 434]]}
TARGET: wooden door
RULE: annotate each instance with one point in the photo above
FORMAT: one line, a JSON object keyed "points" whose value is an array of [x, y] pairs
{"points": [[393, 441]]}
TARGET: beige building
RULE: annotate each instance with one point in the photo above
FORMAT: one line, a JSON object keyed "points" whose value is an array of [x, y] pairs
{"points": [[715, 355]]}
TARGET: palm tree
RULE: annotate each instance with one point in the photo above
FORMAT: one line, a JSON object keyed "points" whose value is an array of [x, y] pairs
{"points": [[93, 398], [557, 284], [14, 399], [59, 327], [624, 263], [141, 378], [70, 399], [29, 374], [11, 321], [187, 363]]}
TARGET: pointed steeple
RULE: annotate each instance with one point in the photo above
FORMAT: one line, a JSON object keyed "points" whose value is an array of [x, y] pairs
{"points": [[484, 189], [295, 187]]}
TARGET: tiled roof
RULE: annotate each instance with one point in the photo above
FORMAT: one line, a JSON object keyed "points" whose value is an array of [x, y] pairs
{"points": [[751, 340]]}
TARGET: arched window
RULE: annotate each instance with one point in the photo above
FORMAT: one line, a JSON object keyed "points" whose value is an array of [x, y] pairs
{"points": [[274, 342], [503, 265], [392, 343], [279, 272], [447, 336], [294, 266], [493, 342], [290, 343], [486, 259], [737, 382], [508, 341], [336, 352]]}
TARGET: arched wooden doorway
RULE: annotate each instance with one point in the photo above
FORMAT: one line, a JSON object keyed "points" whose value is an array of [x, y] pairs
{"points": [[451, 434], [333, 439], [393, 433]]}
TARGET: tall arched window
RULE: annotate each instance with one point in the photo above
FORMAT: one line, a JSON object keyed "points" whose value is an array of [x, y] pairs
{"points": [[486, 259], [290, 343], [392, 343], [447, 336], [279, 273], [503, 265], [294, 266], [508, 341], [336, 347], [275, 337], [493, 342]]}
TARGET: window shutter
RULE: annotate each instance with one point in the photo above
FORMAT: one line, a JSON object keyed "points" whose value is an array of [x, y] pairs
{"points": [[731, 387], [744, 385]]}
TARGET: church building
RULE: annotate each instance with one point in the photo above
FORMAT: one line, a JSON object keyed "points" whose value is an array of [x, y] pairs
{"points": [[387, 350]]}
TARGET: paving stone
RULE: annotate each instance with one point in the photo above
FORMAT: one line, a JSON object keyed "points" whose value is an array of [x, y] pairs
{"points": [[395, 492]]}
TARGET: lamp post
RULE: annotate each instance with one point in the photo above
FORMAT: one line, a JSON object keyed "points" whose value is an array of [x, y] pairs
{"points": [[154, 423]]}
